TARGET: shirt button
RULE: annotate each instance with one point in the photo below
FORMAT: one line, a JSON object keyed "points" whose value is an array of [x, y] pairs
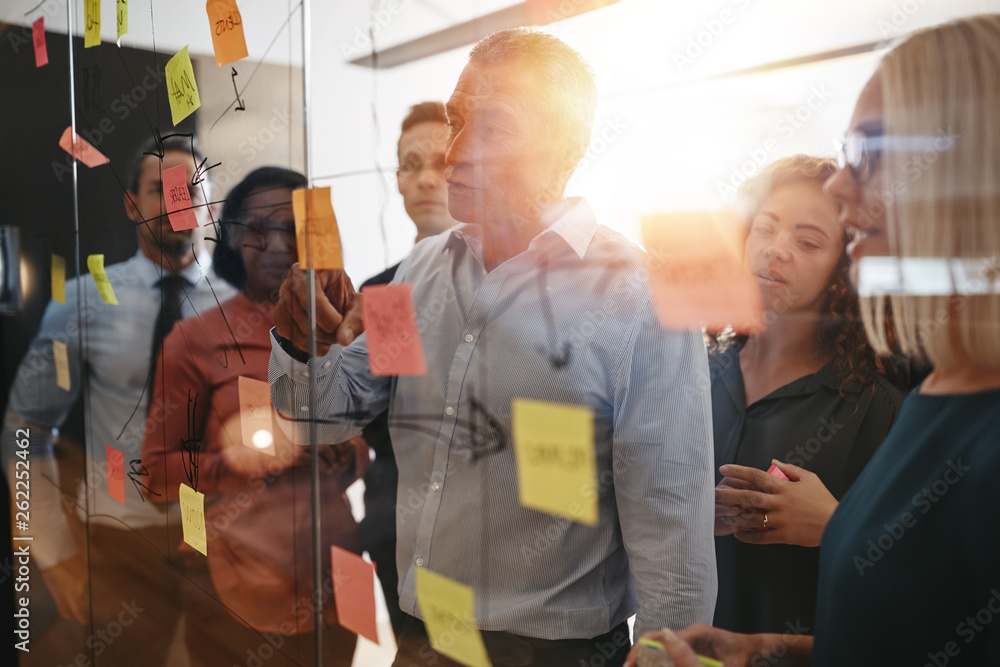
{"points": [[326, 365], [468, 338], [449, 410], [419, 562], [435, 486], [304, 408]]}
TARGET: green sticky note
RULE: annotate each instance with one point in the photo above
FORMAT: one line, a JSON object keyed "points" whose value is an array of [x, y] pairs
{"points": [[181, 88], [448, 608]]}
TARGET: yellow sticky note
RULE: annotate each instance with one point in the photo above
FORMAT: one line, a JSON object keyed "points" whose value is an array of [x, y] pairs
{"points": [[226, 24], [92, 23], [58, 279], [181, 88], [61, 356], [316, 229], [193, 518], [449, 611], [122, 19], [556, 467], [96, 265]]}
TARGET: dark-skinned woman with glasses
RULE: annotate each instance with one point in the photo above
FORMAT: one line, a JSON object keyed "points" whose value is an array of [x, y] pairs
{"points": [[910, 559], [256, 596], [806, 391]]}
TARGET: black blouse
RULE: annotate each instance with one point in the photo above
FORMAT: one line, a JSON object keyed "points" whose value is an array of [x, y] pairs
{"points": [[808, 423]]}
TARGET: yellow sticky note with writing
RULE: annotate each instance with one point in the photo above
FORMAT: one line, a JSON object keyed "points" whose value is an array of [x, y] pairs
{"points": [[556, 466], [181, 88], [92, 23], [121, 17], [96, 265], [316, 233], [449, 611], [227, 31], [61, 356], [58, 279], [193, 518]]}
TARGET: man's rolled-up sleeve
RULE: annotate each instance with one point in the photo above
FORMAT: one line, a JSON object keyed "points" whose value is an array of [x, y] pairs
{"points": [[663, 476]]}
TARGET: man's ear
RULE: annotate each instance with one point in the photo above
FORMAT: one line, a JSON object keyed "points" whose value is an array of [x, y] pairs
{"points": [[128, 199], [399, 183]]}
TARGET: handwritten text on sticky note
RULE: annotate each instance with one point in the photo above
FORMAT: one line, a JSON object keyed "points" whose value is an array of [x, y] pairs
{"points": [[58, 279], [121, 18], [91, 23], [116, 473], [60, 355], [182, 91], [226, 23], [177, 198], [697, 275], [96, 265], [354, 592], [394, 346], [316, 233], [256, 422], [556, 466], [449, 611], [81, 150], [193, 518], [38, 39]]}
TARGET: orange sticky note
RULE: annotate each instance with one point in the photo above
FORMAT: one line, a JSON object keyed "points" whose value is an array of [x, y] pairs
{"points": [[556, 464], [256, 423], [227, 31], [316, 233], [58, 279], [38, 39], [394, 346], [448, 608], [91, 23], [354, 592], [193, 518], [116, 473], [60, 355], [177, 197], [83, 151], [182, 91], [697, 275], [96, 265]]}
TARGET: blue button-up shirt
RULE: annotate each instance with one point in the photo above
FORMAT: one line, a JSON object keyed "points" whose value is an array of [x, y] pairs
{"points": [[567, 320]]}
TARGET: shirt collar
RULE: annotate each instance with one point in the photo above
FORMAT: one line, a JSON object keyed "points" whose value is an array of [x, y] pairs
{"points": [[150, 272], [576, 227]]}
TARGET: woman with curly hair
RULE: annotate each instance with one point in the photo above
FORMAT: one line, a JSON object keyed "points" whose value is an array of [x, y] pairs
{"points": [[806, 392]]}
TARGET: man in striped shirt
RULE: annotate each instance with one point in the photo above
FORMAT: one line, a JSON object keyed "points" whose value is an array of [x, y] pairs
{"points": [[529, 299]]}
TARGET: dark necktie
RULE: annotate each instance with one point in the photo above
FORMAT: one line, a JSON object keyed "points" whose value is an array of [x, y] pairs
{"points": [[171, 289]]}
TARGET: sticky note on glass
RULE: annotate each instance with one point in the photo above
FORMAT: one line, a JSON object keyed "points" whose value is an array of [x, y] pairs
{"points": [[394, 346], [256, 423], [60, 355], [354, 592], [177, 198], [82, 150], [448, 608], [316, 233], [58, 279], [556, 466], [91, 23], [696, 272], [116, 473], [121, 17], [96, 265], [776, 471], [182, 91], [227, 31], [193, 518], [38, 39]]}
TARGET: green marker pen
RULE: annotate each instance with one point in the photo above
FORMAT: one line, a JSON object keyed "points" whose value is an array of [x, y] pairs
{"points": [[652, 654]]}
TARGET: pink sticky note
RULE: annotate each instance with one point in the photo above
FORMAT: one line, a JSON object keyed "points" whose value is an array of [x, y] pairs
{"points": [[394, 346], [256, 424], [38, 38], [116, 473], [84, 152], [776, 471], [354, 592], [178, 199]]}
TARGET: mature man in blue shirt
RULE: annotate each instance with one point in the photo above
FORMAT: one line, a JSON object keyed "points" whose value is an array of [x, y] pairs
{"points": [[531, 298]]}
